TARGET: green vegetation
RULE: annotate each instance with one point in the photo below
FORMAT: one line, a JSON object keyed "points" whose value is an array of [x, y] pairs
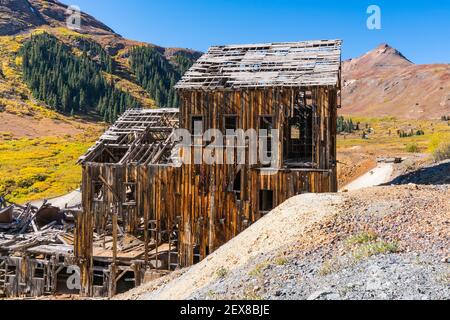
{"points": [[385, 140], [410, 133], [250, 295], [374, 248], [69, 83], [46, 167], [442, 152], [412, 148], [222, 272], [346, 125], [157, 75], [367, 244], [259, 269], [440, 147], [96, 53], [362, 237], [281, 261], [360, 246], [183, 63], [332, 266]]}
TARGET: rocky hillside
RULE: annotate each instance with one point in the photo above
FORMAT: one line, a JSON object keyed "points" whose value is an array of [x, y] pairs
{"points": [[17, 16], [383, 82], [26, 84], [21, 15], [57, 86]]}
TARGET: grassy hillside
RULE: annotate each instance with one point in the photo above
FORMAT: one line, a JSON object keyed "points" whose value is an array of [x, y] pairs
{"points": [[40, 140], [388, 137], [383, 135], [45, 168], [38, 146]]}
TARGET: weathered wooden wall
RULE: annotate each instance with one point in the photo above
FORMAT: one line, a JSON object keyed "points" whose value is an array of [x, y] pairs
{"points": [[31, 276], [250, 105], [157, 204], [197, 201], [211, 212]]}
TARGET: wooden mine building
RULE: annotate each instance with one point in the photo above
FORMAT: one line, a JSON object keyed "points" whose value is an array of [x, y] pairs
{"points": [[177, 215]]}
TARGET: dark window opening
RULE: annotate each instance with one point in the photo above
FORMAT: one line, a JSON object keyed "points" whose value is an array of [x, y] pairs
{"points": [[309, 97], [38, 273], [266, 203], [99, 278], [197, 255], [266, 123], [130, 193], [99, 193], [197, 169], [197, 125], [237, 184], [230, 123], [11, 269], [299, 144], [197, 134], [126, 282]]}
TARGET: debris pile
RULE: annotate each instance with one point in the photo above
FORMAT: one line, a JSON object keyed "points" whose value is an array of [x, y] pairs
{"points": [[17, 219], [37, 253], [36, 243]]}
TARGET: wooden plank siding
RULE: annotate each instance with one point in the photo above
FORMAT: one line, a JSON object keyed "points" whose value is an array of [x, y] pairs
{"points": [[212, 214], [157, 201], [197, 201]]}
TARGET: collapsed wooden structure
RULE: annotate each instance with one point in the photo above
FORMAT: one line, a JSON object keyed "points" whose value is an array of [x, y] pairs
{"points": [[36, 249], [129, 189], [131, 186]]}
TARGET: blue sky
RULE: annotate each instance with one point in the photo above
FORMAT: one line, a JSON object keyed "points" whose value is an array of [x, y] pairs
{"points": [[419, 29]]}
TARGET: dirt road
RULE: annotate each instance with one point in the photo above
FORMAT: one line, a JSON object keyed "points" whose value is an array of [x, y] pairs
{"points": [[375, 177]]}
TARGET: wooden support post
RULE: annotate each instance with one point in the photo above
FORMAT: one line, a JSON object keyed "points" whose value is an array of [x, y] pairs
{"points": [[147, 187], [113, 266], [138, 277], [112, 280], [212, 211], [84, 242]]}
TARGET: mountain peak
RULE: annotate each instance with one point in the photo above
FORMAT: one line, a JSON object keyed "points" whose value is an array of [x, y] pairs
{"points": [[386, 49], [381, 58], [384, 46]]}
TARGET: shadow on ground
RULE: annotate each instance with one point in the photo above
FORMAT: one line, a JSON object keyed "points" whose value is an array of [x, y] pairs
{"points": [[436, 174]]}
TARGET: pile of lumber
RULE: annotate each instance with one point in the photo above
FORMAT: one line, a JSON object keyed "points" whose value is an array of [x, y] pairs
{"points": [[24, 227]]}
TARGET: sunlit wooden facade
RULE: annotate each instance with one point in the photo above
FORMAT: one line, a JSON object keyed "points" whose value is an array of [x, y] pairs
{"points": [[183, 213]]}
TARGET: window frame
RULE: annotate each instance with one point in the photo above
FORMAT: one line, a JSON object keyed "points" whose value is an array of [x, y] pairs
{"points": [[301, 159]]}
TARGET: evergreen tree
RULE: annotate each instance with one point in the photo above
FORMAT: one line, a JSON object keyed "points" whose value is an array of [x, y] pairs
{"points": [[69, 83], [157, 75], [346, 126]]}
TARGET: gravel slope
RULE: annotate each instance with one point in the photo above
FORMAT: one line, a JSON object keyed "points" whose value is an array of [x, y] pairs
{"points": [[379, 243], [271, 233]]}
